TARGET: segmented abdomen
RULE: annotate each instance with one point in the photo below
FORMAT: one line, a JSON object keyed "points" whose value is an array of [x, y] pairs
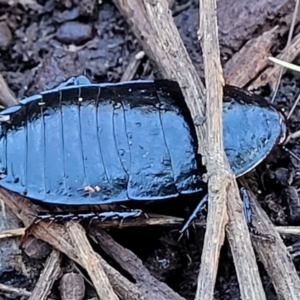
{"points": [[101, 143]]}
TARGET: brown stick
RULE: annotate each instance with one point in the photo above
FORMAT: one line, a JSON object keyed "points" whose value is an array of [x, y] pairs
{"points": [[51, 272], [11, 233], [10, 289], [246, 64], [133, 65], [217, 216], [288, 230], [271, 74], [133, 265], [7, 97], [91, 262], [123, 287], [222, 185]]}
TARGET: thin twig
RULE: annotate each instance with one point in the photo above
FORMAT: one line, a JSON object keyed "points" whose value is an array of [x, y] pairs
{"points": [[132, 66], [91, 262], [51, 272], [7, 97], [294, 107], [238, 71], [222, 185], [130, 263], [217, 217], [12, 233], [9, 289], [288, 230]]}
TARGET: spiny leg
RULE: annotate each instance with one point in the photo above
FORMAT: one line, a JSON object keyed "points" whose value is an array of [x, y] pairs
{"points": [[247, 208], [103, 215], [248, 214], [194, 215]]}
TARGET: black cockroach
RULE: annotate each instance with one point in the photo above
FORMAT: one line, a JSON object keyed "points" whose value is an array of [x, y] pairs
{"points": [[85, 144]]}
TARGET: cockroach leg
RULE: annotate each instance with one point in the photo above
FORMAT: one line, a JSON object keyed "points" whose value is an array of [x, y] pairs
{"points": [[193, 215], [200, 206], [248, 214], [247, 208], [91, 216]]}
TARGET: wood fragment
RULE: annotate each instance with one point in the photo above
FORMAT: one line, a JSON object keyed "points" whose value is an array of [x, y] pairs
{"points": [[242, 250], [91, 262], [274, 255], [9, 289], [271, 74], [7, 97], [130, 263], [12, 233], [288, 230], [223, 189], [151, 220], [132, 66], [238, 71], [48, 277], [217, 216], [125, 288]]}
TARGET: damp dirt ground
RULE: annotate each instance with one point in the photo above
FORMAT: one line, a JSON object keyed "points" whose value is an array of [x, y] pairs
{"points": [[42, 43]]}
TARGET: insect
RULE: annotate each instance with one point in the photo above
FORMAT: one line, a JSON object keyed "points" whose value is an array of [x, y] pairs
{"points": [[85, 144]]}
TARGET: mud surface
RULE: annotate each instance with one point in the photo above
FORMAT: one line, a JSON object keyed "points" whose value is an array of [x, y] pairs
{"points": [[45, 42]]}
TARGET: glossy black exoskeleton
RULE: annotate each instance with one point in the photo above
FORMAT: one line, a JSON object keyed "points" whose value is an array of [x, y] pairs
{"points": [[87, 144]]}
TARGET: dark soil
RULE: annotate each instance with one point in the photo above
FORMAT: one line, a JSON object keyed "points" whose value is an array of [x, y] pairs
{"points": [[44, 43]]}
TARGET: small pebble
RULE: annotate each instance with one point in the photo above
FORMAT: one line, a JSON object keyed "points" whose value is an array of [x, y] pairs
{"points": [[66, 15], [87, 7], [36, 249], [5, 36], [72, 287], [290, 194], [74, 33], [283, 176]]}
